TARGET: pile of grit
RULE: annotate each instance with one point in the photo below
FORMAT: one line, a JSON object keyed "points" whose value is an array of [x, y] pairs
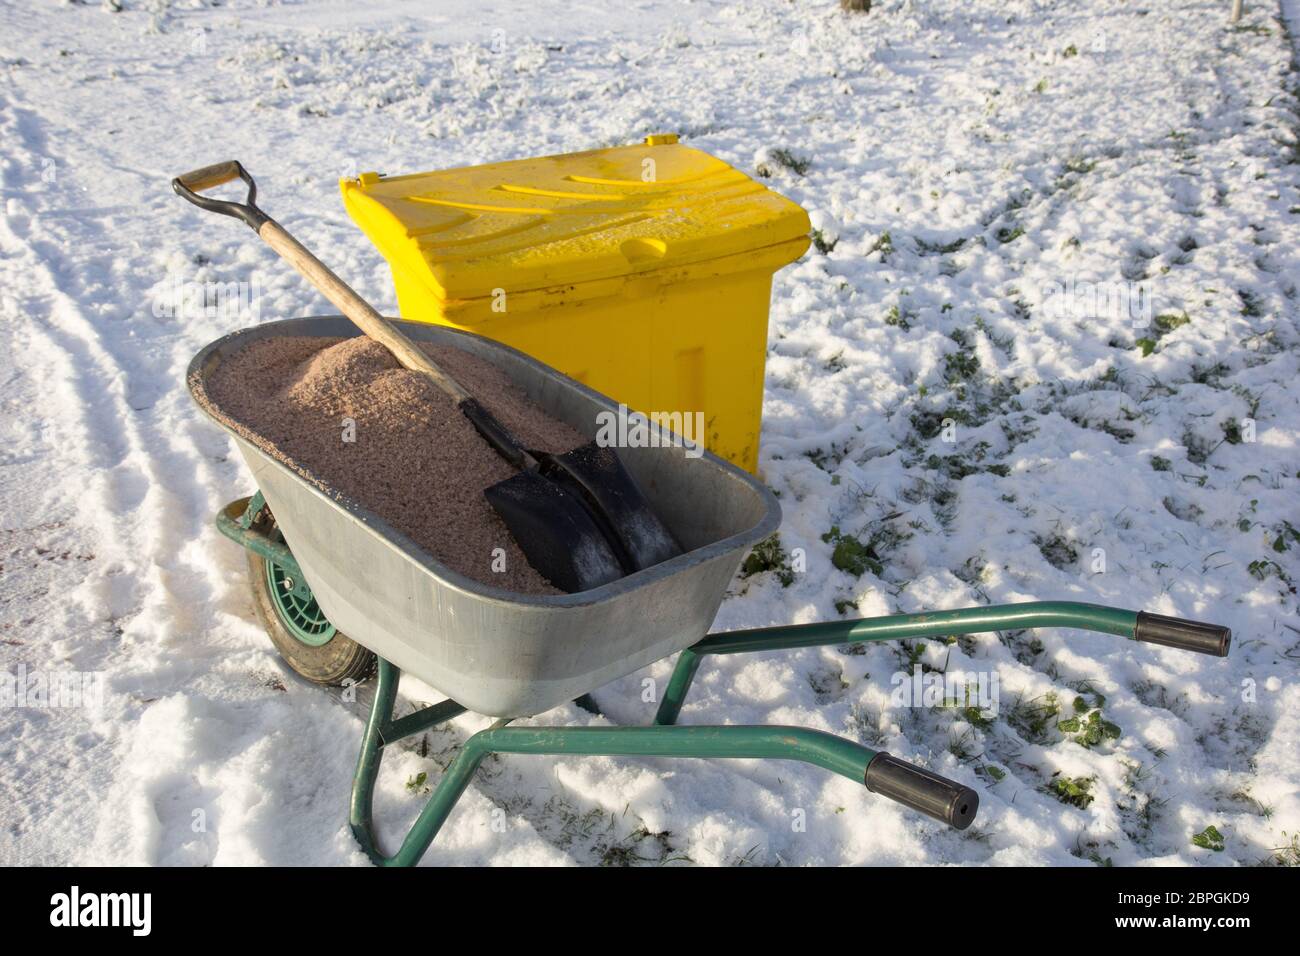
{"points": [[414, 459]]}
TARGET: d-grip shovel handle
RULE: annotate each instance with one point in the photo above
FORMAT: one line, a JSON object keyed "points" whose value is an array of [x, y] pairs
{"points": [[363, 315], [926, 792], [189, 185]]}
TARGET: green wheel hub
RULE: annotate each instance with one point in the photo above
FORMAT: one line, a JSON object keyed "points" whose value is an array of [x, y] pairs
{"points": [[296, 607]]}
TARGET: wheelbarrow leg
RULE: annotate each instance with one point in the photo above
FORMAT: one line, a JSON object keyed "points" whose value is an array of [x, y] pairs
{"points": [[380, 730], [909, 785], [912, 786], [1175, 632], [372, 743]]}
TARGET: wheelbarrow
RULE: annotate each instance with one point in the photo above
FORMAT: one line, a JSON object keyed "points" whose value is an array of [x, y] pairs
{"points": [[341, 592]]}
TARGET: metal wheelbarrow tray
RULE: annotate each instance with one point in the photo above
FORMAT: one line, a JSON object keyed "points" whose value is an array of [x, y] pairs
{"points": [[497, 652], [510, 655]]}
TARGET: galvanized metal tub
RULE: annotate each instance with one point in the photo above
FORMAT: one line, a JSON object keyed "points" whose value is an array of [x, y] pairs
{"points": [[494, 651]]}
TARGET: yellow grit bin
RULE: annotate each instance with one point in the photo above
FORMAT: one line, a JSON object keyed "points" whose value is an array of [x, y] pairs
{"points": [[642, 271]]}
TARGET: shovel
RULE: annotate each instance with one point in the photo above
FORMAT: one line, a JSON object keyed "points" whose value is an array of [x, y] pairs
{"points": [[580, 518]]}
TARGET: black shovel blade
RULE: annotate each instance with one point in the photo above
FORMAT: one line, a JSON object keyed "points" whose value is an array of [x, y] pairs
{"points": [[555, 531], [618, 502]]}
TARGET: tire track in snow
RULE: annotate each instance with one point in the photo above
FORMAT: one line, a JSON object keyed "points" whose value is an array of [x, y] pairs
{"points": [[117, 471], [91, 402], [146, 470], [51, 636]]}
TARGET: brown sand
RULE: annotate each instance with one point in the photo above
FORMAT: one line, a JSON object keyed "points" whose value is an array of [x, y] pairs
{"points": [[416, 461]]}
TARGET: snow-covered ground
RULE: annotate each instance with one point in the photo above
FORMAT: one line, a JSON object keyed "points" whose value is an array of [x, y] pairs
{"points": [[985, 167]]}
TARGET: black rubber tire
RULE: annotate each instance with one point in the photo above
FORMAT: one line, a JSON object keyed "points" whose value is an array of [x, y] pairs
{"points": [[339, 661]]}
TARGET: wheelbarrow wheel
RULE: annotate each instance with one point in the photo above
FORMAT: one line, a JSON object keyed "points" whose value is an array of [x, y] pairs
{"points": [[298, 628]]}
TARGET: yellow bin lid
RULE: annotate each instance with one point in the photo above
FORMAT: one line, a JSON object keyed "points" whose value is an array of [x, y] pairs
{"points": [[568, 219]]}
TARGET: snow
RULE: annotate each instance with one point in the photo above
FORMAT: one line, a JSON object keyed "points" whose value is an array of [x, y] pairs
{"points": [[981, 169]]}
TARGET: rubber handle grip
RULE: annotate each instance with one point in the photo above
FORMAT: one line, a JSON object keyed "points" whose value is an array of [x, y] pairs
{"points": [[209, 176], [1212, 639], [926, 792]]}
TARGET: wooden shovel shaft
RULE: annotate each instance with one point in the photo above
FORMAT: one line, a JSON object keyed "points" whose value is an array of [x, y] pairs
{"points": [[358, 309], [189, 186]]}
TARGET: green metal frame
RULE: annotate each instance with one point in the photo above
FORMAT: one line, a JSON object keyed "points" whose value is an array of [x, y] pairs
{"points": [[897, 627], [896, 779], [236, 521], [664, 738], [784, 743], [295, 605]]}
